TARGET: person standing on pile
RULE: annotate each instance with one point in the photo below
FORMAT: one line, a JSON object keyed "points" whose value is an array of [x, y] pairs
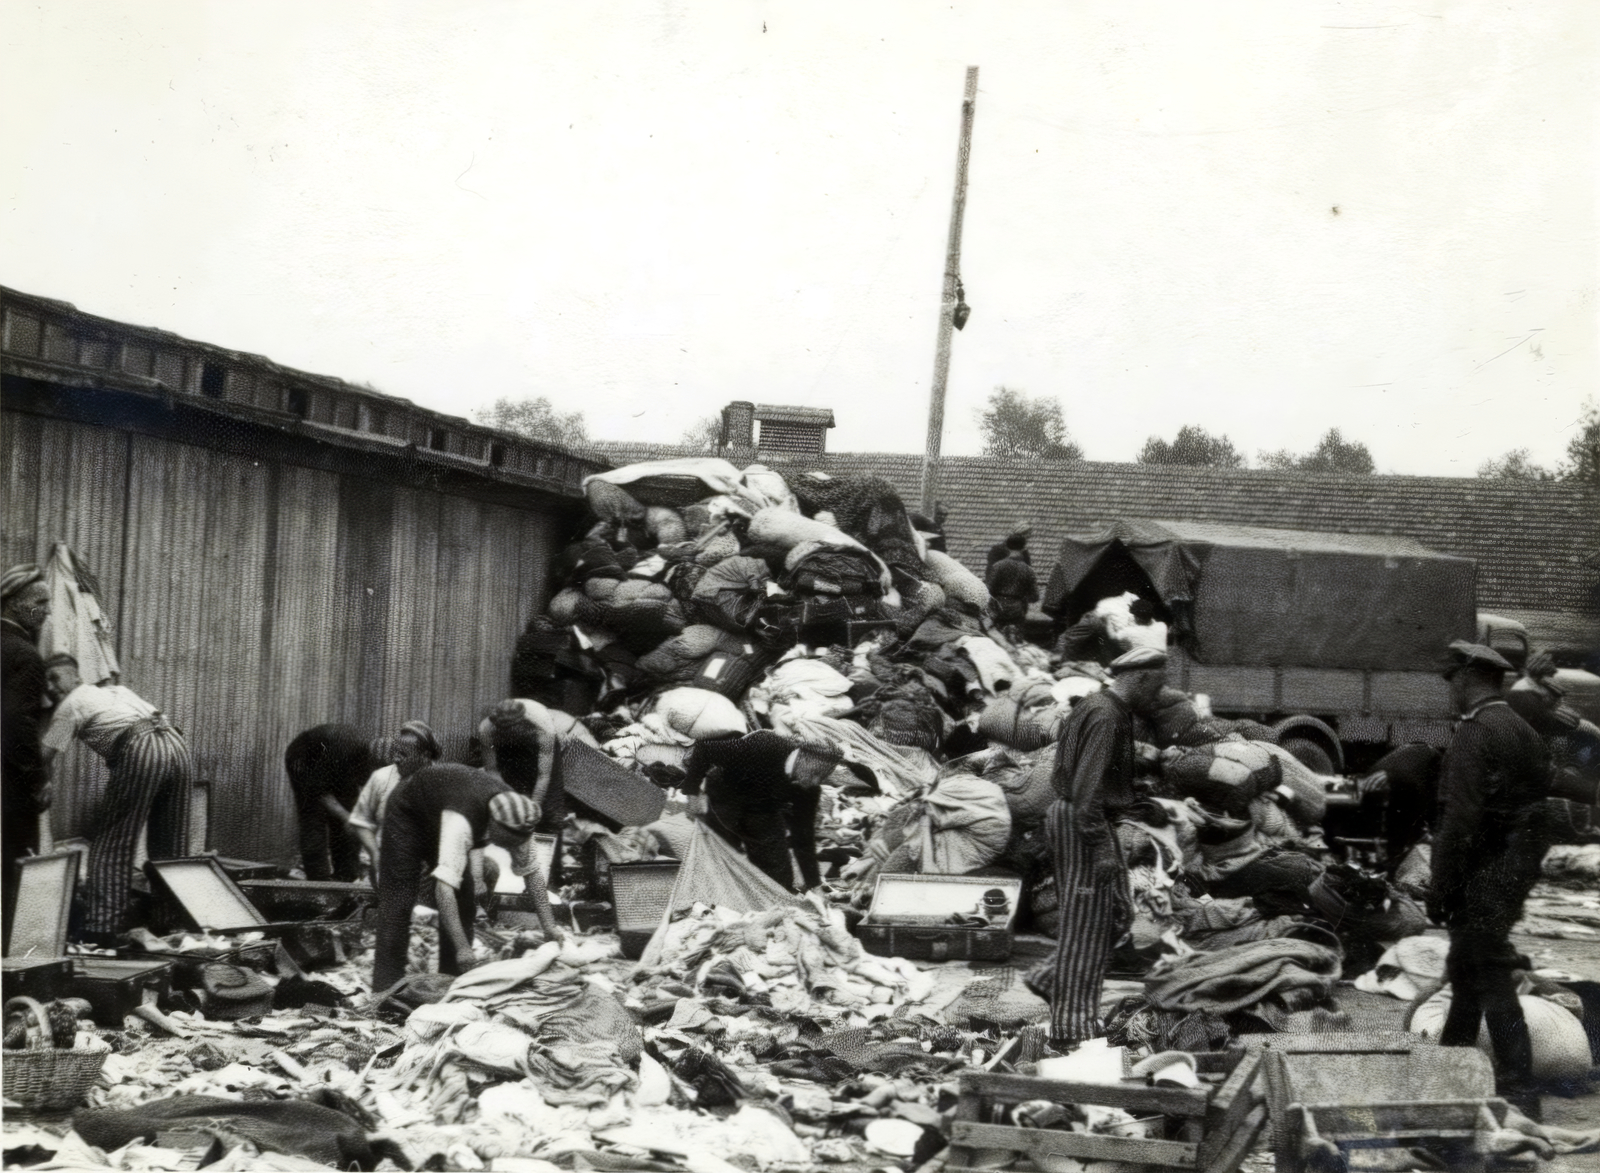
{"points": [[24, 780], [763, 797], [1487, 853], [1093, 781], [404, 755], [1012, 587], [327, 765], [150, 784], [1016, 540], [435, 819], [522, 742]]}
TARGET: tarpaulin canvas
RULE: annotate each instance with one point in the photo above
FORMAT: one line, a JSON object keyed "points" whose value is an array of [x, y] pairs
{"points": [[1279, 598]]}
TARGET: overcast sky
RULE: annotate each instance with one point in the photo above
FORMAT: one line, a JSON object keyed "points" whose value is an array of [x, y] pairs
{"points": [[1266, 218]]}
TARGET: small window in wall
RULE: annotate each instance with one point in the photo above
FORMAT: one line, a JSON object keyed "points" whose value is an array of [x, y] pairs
{"points": [[297, 402], [438, 439], [497, 454], [213, 378]]}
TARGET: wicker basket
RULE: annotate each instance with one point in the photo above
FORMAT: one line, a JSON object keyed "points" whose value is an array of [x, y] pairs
{"points": [[42, 1078]]}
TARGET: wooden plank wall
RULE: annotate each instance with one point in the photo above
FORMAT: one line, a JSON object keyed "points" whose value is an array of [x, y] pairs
{"points": [[255, 599]]}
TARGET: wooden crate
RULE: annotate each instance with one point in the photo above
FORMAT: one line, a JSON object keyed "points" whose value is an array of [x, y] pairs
{"points": [[1331, 1094], [1214, 1125]]}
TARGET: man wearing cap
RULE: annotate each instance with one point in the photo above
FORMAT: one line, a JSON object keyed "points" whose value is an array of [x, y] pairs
{"points": [[435, 819], [1486, 857], [327, 765], [1093, 781], [403, 756], [24, 782], [150, 784], [1016, 540], [763, 797], [1012, 586]]}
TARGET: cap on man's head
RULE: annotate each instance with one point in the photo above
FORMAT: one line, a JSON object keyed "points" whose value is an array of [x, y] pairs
{"points": [[19, 578], [515, 812], [1464, 654], [424, 735], [61, 659], [1140, 659]]}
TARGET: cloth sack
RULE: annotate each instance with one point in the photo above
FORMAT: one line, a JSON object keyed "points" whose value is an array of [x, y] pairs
{"points": [[1560, 1047], [299, 1127], [958, 583], [673, 483], [700, 713]]}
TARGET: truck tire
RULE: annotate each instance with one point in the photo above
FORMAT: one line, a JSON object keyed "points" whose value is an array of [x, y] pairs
{"points": [[1312, 756]]}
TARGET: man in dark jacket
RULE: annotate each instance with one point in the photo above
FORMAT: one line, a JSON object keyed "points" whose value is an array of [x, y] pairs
{"points": [[24, 782], [1016, 540], [1486, 857], [1093, 780], [1012, 586], [763, 797], [327, 766]]}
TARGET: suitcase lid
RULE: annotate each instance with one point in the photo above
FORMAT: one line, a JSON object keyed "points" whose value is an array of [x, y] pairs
{"points": [[640, 892], [906, 899], [208, 895], [117, 969], [44, 898]]}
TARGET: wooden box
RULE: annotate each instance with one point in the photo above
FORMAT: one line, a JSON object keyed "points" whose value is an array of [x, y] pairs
{"points": [[1211, 1128]]}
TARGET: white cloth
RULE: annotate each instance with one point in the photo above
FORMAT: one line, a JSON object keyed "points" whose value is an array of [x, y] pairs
{"points": [[97, 716], [76, 625], [455, 851], [373, 802]]}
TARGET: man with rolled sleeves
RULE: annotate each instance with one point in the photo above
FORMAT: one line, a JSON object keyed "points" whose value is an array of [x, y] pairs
{"points": [[1487, 853], [1093, 780], [434, 820]]}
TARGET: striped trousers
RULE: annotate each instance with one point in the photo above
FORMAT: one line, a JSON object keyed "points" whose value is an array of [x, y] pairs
{"points": [[150, 784], [1095, 910]]}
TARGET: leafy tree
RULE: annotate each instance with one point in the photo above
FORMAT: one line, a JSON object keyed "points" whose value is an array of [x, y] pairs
{"points": [[537, 419], [1192, 445], [1333, 453], [1583, 450], [1514, 466], [704, 435], [1016, 425]]}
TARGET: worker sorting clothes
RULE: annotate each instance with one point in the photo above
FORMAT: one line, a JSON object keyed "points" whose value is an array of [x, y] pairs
{"points": [[434, 821], [522, 742], [327, 765], [150, 783], [403, 756], [761, 792], [1093, 781]]}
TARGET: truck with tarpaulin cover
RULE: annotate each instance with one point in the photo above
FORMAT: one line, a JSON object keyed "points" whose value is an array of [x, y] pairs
{"points": [[1336, 639]]}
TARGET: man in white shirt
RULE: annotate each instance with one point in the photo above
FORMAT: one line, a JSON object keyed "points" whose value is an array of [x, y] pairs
{"points": [[150, 783], [415, 747]]}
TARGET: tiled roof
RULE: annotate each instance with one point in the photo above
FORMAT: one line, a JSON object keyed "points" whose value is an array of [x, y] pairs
{"points": [[1534, 543], [778, 414]]}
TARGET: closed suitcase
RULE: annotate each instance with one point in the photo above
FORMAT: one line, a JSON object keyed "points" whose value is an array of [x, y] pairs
{"points": [[942, 918]]}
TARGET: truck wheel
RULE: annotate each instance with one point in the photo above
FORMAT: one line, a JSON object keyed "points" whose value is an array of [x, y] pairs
{"points": [[1311, 755]]}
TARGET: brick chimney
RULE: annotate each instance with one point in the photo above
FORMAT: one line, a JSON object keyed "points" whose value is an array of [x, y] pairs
{"points": [[739, 431]]}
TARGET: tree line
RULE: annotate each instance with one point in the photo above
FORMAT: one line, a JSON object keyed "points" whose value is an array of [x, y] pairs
{"points": [[1017, 425]]}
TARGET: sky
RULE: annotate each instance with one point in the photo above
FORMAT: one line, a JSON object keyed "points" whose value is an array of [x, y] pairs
{"points": [[1266, 219]]}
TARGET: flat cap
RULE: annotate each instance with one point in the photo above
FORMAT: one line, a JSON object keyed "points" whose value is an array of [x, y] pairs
{"points": [[424, 734], [1463, 654], [1138, 660], [513, 811], [19, 578]]}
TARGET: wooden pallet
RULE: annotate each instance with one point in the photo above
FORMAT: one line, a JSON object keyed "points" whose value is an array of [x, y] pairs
{"points": [[1214, 1125]]}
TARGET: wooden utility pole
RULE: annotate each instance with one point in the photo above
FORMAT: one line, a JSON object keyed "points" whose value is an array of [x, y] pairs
{"points": [[947, 304]]}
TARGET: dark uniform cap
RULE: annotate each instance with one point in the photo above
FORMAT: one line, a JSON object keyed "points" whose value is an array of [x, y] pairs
{"points": [[1463, 654]]}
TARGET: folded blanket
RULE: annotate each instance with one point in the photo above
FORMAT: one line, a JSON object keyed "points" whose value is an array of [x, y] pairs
{"points": [[1226, 980]]}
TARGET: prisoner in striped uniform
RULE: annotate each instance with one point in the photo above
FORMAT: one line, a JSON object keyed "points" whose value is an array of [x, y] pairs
{"points": [[1093, 781], [150, 784]]}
